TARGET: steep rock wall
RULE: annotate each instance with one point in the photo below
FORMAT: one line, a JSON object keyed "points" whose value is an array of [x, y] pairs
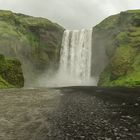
{"points": [[119, 35], [34, 41]]}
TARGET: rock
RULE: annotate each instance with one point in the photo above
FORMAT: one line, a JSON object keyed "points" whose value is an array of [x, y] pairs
{"points": [[36, 42], [114, 113], [117, 138], [111, 35], [82, 137], [108, 138], [91, 113], [136, 104], [125, 129], [138, 126], [138, 134], [127, 117], [123, 104]]}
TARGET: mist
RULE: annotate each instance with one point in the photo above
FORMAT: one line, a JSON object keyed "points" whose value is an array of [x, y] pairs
{"points": [[61, 79]]}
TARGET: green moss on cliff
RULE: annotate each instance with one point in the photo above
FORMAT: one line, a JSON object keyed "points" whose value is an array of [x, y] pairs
{"points": [[35, 41], [4, 84], [11, 74], [43, 35], [124, 61]]}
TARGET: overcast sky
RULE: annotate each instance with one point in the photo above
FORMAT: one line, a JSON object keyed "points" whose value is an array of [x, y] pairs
{"points": [[71, 14]]}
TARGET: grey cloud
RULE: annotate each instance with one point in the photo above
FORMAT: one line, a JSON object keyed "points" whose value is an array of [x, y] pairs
{"points": [[72, 14]]}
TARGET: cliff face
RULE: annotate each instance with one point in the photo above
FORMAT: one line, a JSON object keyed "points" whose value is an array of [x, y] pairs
{"points": [[11, 74], [34, 41], [119, 35]]}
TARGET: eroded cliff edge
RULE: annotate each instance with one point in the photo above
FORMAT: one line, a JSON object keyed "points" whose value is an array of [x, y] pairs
{"points": [[36, 42], [119, 37]]}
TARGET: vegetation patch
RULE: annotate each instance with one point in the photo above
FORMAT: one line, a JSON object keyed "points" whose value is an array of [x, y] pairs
{"points": [[124, 61], [11, 74]]}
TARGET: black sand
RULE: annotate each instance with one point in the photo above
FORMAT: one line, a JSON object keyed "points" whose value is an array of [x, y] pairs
{"points": [[75, 113]]}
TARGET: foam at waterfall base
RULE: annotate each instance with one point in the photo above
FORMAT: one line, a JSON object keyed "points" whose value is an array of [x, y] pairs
{"points": [[65, 80]]}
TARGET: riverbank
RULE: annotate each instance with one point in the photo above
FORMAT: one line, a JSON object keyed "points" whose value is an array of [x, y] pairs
{"points": [[78, 113]]}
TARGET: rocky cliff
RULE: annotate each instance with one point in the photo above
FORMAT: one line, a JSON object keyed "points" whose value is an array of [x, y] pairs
{"points": [[119, 38], [34, 41], [11, 74]]}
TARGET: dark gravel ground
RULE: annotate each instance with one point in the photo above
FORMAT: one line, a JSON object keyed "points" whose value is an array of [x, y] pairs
{"points": [[87, 113], [75, 113]]}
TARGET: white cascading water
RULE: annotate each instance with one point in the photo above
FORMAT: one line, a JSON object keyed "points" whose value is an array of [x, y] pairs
{"points": [[75, 57], [75, 61]]}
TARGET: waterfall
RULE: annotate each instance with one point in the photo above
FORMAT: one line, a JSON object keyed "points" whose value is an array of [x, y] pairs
{"points": [[75, 57], [76, 61]]}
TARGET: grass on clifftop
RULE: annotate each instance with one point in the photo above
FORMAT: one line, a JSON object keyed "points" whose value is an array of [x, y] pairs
{"points": [[124, 66]]}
